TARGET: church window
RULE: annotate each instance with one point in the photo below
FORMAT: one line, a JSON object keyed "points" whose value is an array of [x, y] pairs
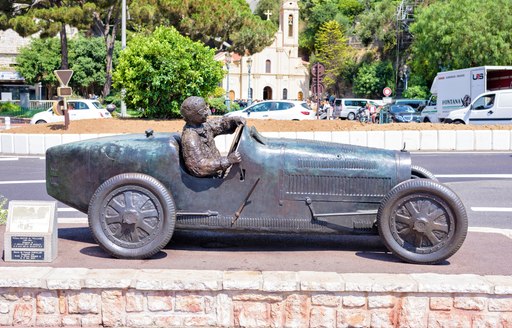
{"points": [[285, 93], [267, 66], [290, 25]]}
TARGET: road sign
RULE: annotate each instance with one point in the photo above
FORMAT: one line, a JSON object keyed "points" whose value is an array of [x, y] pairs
{"points": [[317, 79], [318, 88], [318, 70], [63, 75], [64, 91], [387, 91]]}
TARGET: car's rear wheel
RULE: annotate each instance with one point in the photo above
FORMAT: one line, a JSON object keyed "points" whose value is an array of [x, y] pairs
{"points": [[41, 122], [422, 221], [418, 172], [132, 216], [351, 116]]}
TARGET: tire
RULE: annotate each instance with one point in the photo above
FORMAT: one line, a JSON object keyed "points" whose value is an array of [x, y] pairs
{"points": [[351, 116], [41, 122], [426, 120], [458, 122], [422, 221], [132, 216], [418, 172]]}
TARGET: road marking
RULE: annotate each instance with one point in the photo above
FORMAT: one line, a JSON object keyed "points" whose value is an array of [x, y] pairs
{"points": [[491, 209], [9, 159], [505, 232], [22, 182], [476, 176], [67, 209]]}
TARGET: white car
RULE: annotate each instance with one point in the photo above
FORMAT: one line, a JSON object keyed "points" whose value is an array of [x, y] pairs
{"points": [[79, 109], [277, 110]]}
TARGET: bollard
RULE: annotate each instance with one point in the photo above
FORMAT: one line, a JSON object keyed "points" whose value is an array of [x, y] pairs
{"points": [[7, 122]]}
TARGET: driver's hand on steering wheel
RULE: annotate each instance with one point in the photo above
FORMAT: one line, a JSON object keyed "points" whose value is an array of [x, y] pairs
{"points": [[234, 157]]}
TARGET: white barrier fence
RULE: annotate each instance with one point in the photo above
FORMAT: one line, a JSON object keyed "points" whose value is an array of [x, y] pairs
{"points": [[424, 140]]}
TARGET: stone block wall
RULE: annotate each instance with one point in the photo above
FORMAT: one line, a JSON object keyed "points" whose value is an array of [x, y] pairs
{"points": [[177, 298]]}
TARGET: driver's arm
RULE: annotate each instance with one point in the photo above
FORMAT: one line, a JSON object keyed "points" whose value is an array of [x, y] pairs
{"points": [[225, 125], [199, 163]]}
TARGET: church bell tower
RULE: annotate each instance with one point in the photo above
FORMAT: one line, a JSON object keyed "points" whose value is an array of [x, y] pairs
{"points": [[289, 24]]}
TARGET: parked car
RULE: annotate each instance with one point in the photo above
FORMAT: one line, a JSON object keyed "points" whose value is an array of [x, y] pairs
{"points": [[79, 109], [399, 114], [346, 108], [417, 104], [276, 110], [136, 190]]}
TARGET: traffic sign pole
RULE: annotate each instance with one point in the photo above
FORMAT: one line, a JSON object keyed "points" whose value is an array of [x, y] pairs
{"points": [[64, 76]]}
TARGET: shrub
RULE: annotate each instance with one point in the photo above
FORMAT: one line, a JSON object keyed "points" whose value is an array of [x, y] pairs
{"points": [[3, 212]]}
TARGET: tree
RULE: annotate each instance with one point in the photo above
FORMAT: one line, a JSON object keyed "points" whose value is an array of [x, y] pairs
{"points": [[372, 78], [37, 61], [377, 26], [50, 17], [87, 60], [211, 21], [333, 52], [316, 13], [458, 34], [160, 70]]}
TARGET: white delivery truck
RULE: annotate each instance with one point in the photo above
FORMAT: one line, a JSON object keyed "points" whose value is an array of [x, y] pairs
{"points": [[453, 90]]}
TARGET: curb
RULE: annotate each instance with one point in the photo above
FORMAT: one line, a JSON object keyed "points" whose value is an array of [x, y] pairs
{"points": [[424, 140]]}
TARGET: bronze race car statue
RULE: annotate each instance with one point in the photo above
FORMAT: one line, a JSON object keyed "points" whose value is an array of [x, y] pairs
{"points": [[136, 191]]}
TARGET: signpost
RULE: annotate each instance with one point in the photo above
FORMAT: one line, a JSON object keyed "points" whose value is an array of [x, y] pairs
{"points": [[64, 76], [318, 72], [387, 92], [31, 231]]}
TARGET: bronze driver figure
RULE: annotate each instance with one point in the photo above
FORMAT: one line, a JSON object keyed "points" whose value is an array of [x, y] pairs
{"points": [[202, 158]]}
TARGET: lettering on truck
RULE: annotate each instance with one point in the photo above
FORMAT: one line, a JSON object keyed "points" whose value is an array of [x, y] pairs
{"points": [[457, 103]]}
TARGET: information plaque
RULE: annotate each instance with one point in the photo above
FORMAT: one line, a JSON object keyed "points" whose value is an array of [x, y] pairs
{"points": [[31, 232]]}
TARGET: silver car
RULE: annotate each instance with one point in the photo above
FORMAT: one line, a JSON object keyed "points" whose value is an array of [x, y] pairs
{"points": [[277, 110]]}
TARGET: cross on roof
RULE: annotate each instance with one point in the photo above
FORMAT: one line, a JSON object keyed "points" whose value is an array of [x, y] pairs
{"points": [[268, 13]]}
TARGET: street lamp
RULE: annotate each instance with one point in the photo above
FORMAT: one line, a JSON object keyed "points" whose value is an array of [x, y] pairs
{"points": [[249, 92], [123, 46], [227, 61]]}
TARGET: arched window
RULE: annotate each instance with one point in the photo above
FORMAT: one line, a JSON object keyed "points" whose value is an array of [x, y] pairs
{"points": [[285, 93], [290, 25], [267, 66]]}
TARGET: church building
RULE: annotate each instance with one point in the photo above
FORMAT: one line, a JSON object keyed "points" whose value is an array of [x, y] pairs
{"points": [[277, 72]]}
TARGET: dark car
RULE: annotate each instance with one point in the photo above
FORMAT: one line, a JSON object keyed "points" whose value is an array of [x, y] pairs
{"points": [[417, 104], [136, 190], [393, 113]]}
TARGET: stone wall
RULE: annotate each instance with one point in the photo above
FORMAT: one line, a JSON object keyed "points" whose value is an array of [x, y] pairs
{"points": [[45, 297]]}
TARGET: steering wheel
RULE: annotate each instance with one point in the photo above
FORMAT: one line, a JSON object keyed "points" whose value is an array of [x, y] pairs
{"points": [[234, 145], [236, 138]]}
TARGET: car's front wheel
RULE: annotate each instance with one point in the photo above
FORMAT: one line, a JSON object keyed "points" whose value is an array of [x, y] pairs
{"points": [[41, 122], [418, 172], [422, 221], [351, 116], [132, 216]]}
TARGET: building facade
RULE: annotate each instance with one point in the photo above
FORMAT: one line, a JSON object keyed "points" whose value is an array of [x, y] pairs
{"points": [[277, 72]]}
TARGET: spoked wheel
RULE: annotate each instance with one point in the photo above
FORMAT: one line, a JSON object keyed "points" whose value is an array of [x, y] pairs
{"points": [[422, 221], [132, 216], [418, 172]]}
